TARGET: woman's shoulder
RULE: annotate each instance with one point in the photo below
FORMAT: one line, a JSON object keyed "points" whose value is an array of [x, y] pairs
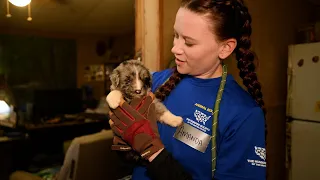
{"points": [[236, 95], [238, 105]]}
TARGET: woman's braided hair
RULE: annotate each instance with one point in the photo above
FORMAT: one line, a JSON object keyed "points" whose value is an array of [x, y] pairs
{"points": [[164, 90], [231, 19]]}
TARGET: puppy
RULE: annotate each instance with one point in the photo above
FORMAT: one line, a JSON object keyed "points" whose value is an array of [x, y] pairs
{"points": [[131, 79]]}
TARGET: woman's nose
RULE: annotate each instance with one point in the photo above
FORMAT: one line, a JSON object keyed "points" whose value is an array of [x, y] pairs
{"points": [[176, 49]]}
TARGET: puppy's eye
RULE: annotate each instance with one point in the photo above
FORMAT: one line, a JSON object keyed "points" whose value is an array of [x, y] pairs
{"points": [[128, 80]]}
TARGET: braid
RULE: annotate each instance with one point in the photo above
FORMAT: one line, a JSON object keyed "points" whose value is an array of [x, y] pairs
{"points": [[245, 58], [164, 90]]}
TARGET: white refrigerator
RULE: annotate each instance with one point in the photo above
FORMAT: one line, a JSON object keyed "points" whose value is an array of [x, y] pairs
{"points": [[303, 112]]}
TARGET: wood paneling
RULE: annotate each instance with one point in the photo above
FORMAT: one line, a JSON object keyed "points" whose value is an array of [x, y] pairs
{"points": [[148, 26]]}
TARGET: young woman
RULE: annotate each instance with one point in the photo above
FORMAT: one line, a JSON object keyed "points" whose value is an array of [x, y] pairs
{"points": [[223, 134]]}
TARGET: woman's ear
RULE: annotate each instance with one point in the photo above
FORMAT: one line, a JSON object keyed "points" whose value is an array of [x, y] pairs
{"points": [[227, 47]]}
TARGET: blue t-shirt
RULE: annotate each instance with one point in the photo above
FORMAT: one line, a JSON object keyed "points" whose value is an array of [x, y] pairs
{"points": [[240, 133]]}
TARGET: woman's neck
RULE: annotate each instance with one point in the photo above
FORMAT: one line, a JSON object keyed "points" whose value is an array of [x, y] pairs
{"points": [[215, 72]]}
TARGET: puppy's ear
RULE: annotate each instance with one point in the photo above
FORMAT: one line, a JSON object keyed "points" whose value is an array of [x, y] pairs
{"points": [[115, 79]]}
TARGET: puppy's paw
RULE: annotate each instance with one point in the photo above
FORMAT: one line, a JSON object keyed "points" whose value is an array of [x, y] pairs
{"points": [[114, 99], [175, 121], [171, 119]]}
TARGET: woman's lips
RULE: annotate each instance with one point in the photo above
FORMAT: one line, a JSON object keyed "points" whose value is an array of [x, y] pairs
{"points": [[179, 62]]}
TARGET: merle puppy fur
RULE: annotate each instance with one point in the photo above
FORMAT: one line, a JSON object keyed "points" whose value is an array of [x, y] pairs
{"points": [[131, 79]]}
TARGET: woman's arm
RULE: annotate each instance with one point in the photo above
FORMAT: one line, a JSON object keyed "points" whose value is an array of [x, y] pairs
{"points": [[164, 166]]}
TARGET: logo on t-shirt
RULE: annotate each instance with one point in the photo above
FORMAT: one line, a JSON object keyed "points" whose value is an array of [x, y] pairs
{"points": [[261, 153], [201, 117]]}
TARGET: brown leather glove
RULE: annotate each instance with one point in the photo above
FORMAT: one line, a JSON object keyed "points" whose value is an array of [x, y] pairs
{"points": [[136, 125], [126, 152], [142, 106]]}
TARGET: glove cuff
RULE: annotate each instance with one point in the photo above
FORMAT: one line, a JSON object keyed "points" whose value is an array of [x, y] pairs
{"points": [[121, 148], [154, 146], [120, 145]]}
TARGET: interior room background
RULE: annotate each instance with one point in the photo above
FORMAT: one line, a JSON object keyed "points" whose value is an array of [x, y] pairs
{"points": [[71, 47]]}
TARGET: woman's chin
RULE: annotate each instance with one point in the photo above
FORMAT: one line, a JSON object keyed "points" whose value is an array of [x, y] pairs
{"points": [[183, 70]]}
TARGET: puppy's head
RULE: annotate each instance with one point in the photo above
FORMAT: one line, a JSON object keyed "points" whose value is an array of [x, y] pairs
{"points": [[132, 79]]}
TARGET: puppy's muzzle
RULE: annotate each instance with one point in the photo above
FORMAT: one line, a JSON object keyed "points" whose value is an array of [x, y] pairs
{"points": [[137, 91]]}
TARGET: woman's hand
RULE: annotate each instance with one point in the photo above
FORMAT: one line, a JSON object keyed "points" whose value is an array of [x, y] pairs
{"points": [[137, 126]]}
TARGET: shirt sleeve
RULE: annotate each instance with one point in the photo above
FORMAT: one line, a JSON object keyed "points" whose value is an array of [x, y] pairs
{"points": [[242, 152]]}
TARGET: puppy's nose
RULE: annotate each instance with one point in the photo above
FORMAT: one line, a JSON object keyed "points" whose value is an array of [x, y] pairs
{"points": [[137, 91]]}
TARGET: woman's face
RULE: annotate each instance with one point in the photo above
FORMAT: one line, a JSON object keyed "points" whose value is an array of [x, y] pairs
{"points": [[195, 47]]}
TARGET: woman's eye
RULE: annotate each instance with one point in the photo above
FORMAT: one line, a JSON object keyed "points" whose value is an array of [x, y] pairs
{"points": [[176, 35], [188, 44]]}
